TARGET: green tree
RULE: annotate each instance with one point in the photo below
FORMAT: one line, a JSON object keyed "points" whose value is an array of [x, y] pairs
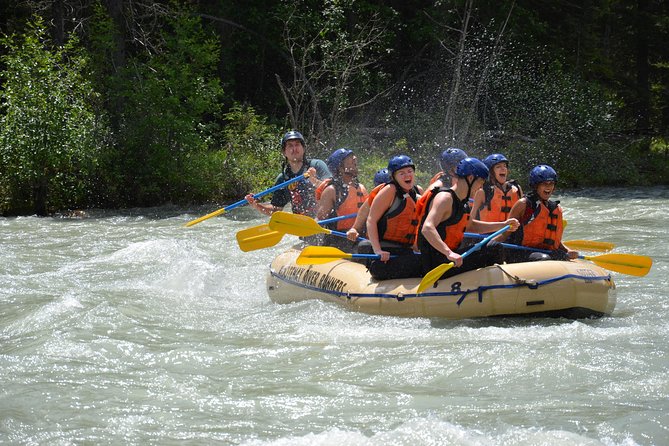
{"points": [[49, 133], [166, 106]]}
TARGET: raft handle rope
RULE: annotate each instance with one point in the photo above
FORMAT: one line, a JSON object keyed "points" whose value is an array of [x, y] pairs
{"points": [[531, 284]]}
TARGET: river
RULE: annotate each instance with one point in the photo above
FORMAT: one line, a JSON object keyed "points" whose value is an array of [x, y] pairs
{"points": [[127, 328]]}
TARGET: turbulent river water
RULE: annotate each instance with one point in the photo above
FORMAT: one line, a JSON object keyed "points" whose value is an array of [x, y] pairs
{"points": [[126, 327]]}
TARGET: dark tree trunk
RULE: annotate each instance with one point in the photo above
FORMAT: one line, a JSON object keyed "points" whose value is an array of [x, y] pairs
{"points": [[115, 10], [642, 25], [58, 22]]}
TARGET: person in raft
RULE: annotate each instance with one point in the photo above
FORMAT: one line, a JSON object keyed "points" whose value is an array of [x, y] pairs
{"points": [[540, 220], [448, 162], [300, 194], [359, 227], [340, 195], [493, 202], [391, 225], [443, 216]]}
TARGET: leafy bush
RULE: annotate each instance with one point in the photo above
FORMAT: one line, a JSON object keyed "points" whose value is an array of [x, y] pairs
{"points": [[49, 133]]}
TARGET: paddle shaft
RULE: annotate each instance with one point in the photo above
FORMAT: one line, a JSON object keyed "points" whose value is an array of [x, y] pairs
{"points": [[631, 264], [243, 201], [266, 192]]}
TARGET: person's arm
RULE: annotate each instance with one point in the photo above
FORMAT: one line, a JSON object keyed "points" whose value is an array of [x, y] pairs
{"points": [[360, 221], [479, 198], [327, 203], [318, 171], [379, 206], [484, 227], [263, 208], [517, 211], [440, 210]]}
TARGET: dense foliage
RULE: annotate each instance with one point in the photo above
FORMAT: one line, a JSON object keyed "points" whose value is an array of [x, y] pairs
{"points": [[119, 103]]}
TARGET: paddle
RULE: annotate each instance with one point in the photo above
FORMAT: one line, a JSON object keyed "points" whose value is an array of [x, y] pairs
{"points": [[589, 245], [632, 264], [300, 225], [316, 255], [579, 245], [433, 275], [243, 202], [257, 237], [262, 236]]}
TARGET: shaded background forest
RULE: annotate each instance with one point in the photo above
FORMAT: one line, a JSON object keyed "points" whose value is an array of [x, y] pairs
{"points": [[121, 103]]}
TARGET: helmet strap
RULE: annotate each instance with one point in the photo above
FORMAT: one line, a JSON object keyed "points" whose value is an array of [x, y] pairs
{"points": [[469, 185]]}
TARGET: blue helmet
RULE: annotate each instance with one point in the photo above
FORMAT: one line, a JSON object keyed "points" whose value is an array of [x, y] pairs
{"points": [[337, 157], [293, 134], [381, 177], [542, 173], [491, 160], [451, 157], [472, 166], [398, 162]]}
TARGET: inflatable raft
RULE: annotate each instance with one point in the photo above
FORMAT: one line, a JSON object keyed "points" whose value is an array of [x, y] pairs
{"points": [[570, 289]]}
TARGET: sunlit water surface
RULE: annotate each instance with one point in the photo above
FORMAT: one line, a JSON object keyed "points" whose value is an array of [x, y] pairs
{"points": [[126, 327]]}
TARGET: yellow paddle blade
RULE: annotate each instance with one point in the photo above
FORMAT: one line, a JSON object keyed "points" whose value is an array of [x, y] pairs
{"points": [[205, 217], [317, 255], [564, 222], [433, 275], [295, 224], [589, 245], [258, 237], [631, 264]]}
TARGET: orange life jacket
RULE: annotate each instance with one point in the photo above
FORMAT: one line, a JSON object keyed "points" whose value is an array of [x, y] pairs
{"points": [[542, 225], [398, 224], [497, 204], [374, 192], [345, 202], [451, 230], [438, 176]]}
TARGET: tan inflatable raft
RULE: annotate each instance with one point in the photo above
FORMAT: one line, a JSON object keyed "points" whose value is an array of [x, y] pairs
{"points": [[571, 289]]}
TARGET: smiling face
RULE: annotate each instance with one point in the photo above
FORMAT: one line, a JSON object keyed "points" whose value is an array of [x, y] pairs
{"points": [[405, 177], [545, 189], [293, 150], [500, 172]]}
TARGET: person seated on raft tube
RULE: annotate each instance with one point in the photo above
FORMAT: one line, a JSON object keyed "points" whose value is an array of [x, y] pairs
{"points": [[340, 195], [444, 216], [300, 194], [493, 202], [359, 228], [540, 220], [391, 224]]}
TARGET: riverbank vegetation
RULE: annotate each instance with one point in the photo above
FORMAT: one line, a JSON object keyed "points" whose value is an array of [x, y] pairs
{"points": [[119, 104]]}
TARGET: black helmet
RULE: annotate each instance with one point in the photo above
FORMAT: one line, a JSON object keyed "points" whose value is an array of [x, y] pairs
{"points": [[293, 134]]}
